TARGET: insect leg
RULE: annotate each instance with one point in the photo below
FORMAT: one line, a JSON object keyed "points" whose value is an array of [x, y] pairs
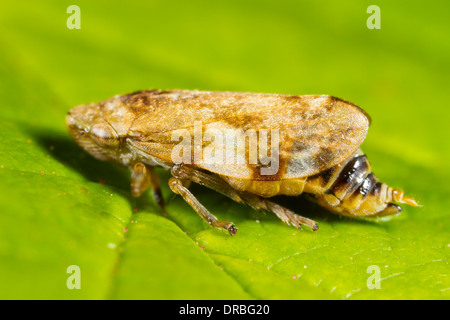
{"points": [[211, 181], [287, 216], [290, 217], [214, 182], [142, 177], [177, 187]]}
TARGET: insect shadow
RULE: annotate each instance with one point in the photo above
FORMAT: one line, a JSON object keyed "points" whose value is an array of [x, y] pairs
{"points": [[115, 178], [304, 206], [66, 151]]}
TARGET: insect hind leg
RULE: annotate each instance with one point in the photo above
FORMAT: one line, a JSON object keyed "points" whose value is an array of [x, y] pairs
{"points": [[287, 216], [258, 203]]}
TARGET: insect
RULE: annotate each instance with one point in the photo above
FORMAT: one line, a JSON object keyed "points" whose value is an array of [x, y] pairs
{"points": [[317, 152]]}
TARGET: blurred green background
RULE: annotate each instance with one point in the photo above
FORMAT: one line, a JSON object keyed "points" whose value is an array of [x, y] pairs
{"points": [[60, 207]]}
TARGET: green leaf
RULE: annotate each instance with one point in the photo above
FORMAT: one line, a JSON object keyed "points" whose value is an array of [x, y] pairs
{"points": [[60, 207]]}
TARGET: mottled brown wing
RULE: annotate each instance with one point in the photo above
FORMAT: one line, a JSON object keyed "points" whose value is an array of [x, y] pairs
{"points": [[315, 132]]}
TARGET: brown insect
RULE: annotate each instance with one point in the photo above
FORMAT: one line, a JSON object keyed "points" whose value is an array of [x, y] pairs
{"points": [[317, 153]]}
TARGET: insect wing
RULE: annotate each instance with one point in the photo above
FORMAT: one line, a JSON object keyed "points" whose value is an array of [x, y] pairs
{"points": [[314, 132]]}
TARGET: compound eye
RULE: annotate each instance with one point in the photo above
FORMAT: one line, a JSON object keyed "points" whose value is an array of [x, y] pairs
{"points": [[104, 135]]}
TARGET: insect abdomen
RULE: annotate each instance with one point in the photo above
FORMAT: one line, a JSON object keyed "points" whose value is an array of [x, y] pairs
{"points": [[351, 189]]}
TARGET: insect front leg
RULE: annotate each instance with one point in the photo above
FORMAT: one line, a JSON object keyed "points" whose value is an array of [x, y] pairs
{"points": [[177, 187], [142, 177]]}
